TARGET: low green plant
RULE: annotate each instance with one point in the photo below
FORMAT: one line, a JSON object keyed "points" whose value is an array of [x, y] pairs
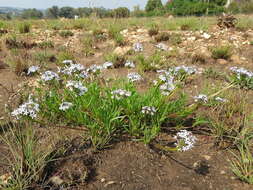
{"points": [[151, 63], [222, 52], [163, 36], [175, 39], [251, 43], [88, 43], [66, 33], [46, 44]]}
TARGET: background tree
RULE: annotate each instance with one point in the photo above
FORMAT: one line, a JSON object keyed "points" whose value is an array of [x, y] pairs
{"points": [[67, 12], [53, 12], [31, 14], [153, 5]]}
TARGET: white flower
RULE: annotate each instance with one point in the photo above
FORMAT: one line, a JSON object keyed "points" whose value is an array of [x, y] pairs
{"points": [[148, 110], [49, 75], [162, 46], [138, 47], [72, 68], [94, 69], [133, 77], [32, 69], [84, 75], [129, 64], [219, 99], [188, 140], [77, 85], [188, 70], [67, 62], [29, 108], [120, 93], [201, 97], [167, 87], [206, 36], [107, 65], [241, 72], [65, 106]]}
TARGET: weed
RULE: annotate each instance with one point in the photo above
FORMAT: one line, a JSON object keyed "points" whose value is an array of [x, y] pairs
{"points": [[175, 39], [185, 27], [251, 43], [46, 44], [66, 33], [199, 58], [117, 60], [211, 73], [44, 57], [153, 31], [222, 52], [88, 43], [99, 35]]}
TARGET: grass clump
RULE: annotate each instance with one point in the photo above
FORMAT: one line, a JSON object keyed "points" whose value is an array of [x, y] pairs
{"points": [[149, 64], [164, 36], [24, 28], [222, 52], [66, 33], [153, 31], [46, 45], [88, 44]]}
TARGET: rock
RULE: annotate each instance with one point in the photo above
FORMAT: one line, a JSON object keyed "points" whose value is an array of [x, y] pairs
{"points": [[3, 65], [170, 17], [236, 59], [207, 157], [222, 172], [222, 61], [122, 50], [56, 180]]}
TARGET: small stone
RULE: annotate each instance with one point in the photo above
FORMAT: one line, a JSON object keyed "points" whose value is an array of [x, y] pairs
{"points": [[222, 61], [56, 180], [102, 180], [122, 50], [222, 172], [207, 157], [236, 59]]}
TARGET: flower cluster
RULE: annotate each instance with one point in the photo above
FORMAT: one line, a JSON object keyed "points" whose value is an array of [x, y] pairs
{"points": [[72, 68], [148, 110], [188, 70], [219, 99], [201, 97], [133, 77], [77, 85], [33, 69], [167, 82], [120, 93], [94, 69], [29, 108], [49, 75], [241, 72], [129, 64], [138, 47], [162, 46], [185, 140], [65, 106], [84, 75]]}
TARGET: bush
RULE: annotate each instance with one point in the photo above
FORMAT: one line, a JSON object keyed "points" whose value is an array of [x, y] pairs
{"points": [[121, 12]]}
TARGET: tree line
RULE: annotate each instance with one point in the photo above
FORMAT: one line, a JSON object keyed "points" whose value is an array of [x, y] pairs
{"points": [[152, 8]]}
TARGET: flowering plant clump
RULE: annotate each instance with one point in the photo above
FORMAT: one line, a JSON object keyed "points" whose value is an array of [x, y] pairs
{"points": [[201, 97], [185, 140], [107, 65], [241, 72], [32, 70], [242, 77], [187, 70], [129, 64], [162, 46], [166, 82], [138, 47], [148, 110], [120, 93], [133, 77], [77, 85], [29, 108], [72, 68], [49, 75], [65, 106], [219, 99]]}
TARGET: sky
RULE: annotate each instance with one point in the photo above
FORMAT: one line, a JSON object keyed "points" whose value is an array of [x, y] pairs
{"points": [[43, 4]]}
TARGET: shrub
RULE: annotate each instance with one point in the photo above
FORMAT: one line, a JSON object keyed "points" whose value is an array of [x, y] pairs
{"points": [[222, 52], [121, 12]]}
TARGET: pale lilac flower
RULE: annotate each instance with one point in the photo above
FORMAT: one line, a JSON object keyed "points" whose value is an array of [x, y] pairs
{"points": [[67, 62], [84, 75], [77, 85], [241, 72], [49, 75], [129, 64], [33, 69], [133, 77], [94, 69], [107, 65], [219, 99], [201, 97], [120, 93], [72, 68], [148, 110], [65, 106], [188, 140], [138, 47], [29, 108], [162, 46]]}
